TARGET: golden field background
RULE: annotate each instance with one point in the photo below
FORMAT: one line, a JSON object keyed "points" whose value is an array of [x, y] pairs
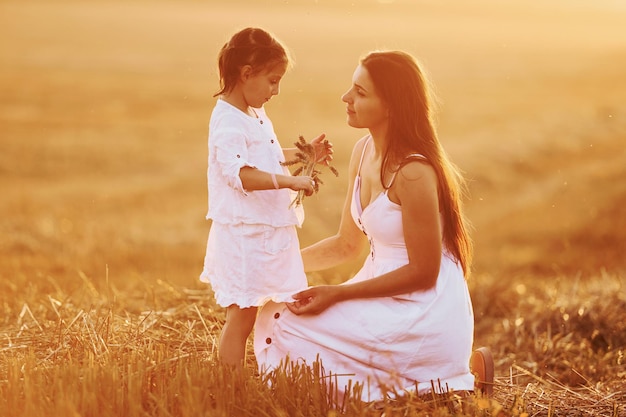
{"points": [[104, 108]]}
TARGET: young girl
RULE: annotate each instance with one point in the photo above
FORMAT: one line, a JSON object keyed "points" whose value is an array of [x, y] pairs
{"points": [[253, 252]]}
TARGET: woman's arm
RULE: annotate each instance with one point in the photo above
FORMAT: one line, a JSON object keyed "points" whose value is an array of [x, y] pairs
{"points": [[415, 189], [349, 241]]}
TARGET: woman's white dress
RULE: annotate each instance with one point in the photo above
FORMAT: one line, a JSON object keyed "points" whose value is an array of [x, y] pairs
{"points": [[421, 339]]}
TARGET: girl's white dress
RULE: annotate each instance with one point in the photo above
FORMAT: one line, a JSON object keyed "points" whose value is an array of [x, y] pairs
{"points": [[253, 252], [409, 341]]}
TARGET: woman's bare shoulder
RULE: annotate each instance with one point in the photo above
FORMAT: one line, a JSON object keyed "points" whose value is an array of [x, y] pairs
{"points": [[359, 145], [416, 169], [357, 151]]}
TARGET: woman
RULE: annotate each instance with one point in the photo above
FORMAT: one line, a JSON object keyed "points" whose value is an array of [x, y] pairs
{"points": [[405, 319]]}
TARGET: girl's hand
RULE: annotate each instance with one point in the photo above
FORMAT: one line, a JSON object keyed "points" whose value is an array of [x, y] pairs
{"points": [[304, 183], [314, 300], [323, 150]]}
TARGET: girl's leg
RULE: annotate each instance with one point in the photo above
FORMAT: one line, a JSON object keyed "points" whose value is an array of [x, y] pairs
{"points": [[239, 324]]}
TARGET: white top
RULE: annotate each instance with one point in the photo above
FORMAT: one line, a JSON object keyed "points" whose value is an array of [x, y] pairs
{"points": [[237, 140]]}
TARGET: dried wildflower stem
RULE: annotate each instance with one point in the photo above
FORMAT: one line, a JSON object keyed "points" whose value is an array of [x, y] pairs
{"points": [[307, 157], [307, 171]]}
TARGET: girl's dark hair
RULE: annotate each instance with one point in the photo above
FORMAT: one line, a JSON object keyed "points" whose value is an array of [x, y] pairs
{"points": [[250, 46], [403, 87]]}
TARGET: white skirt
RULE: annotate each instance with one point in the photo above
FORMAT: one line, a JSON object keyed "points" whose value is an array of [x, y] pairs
{"points": [[248, 265]]}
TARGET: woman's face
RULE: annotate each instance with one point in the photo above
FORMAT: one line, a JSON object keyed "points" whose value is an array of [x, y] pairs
{"points": [[364, 107]]}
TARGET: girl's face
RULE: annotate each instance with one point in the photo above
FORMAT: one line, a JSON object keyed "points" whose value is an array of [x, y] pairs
{"points": [[259, 87], [364, 107]]}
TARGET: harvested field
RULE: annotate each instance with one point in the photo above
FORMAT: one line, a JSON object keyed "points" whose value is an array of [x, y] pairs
{"points": [[104, 108]]}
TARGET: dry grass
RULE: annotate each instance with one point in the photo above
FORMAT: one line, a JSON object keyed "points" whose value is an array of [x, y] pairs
{"points": [[103, 114], [150, 351], [559, 348]]}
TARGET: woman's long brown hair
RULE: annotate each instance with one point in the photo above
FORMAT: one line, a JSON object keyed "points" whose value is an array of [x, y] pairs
{"points": [[402, 85]]}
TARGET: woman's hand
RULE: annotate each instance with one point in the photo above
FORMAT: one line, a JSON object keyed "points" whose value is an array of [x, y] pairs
{"points": [[323, 150], [314, 300]]}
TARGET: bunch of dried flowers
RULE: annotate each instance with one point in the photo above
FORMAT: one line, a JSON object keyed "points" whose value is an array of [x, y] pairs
{"points": [[306, 157]]}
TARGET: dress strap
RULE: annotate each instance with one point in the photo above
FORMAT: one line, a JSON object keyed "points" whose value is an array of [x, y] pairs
{"points": [[367, 142], [418, 156]]}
